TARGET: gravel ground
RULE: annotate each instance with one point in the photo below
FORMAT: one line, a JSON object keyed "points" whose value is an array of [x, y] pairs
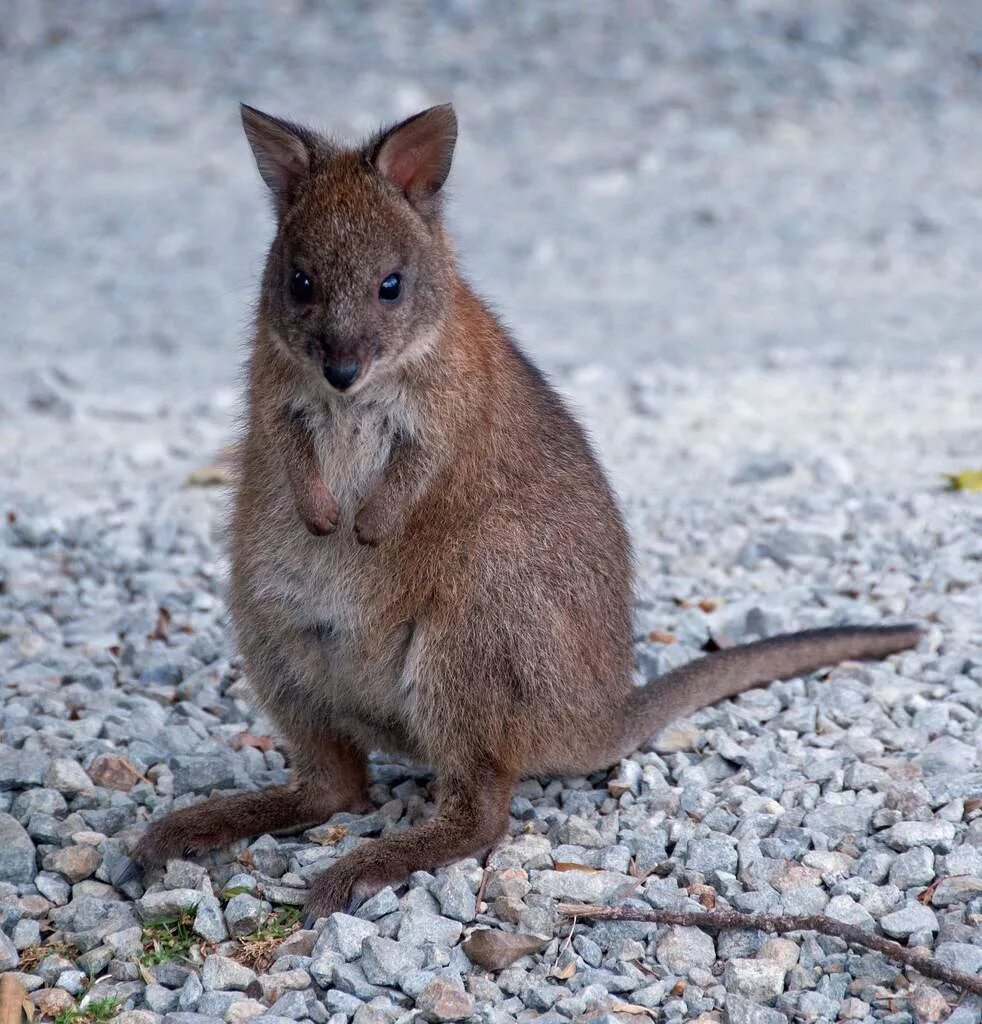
{"points": [[746, 240]]}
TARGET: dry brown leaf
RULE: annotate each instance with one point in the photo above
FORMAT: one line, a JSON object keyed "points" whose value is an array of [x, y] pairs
{"points": [[329, 836], [161, 631], [705, 894], [248, 739], [565, 865], [710, 604], [215, 474], [633, 1008], [565, 972], [661, 636], [678, 988], [928, 894], [494, 950]]}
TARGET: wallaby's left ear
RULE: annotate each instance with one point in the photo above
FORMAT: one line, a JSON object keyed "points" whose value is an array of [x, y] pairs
{"points": [[416, 154]]}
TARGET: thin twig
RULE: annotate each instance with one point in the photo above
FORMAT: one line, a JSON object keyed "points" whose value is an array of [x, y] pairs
{"points": [[723, 920]]}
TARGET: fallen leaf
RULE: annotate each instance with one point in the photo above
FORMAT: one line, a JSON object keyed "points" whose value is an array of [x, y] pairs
{"points": [[494, 950], [633, 1008], [678, 988], [660, 636], [966, 480], [973, 804], [928, 894], [248, 739], [710, 604], [327, 836], [565, 972], [161, 631], [705, 894], [215, 474], [565, 865]]}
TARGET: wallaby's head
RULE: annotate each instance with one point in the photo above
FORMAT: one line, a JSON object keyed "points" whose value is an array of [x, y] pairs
{"points": [[359, 276]]}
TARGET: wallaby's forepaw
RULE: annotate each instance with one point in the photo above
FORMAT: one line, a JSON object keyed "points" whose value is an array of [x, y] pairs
{"points": [[343, 887], [321, 520], [318, 508], [370, 524]]}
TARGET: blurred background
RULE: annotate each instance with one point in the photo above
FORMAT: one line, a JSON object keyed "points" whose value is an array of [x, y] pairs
{"points": [[648, 192]]}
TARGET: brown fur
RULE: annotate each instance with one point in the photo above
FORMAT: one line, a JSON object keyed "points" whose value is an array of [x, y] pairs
{"points": [[461, 591]]}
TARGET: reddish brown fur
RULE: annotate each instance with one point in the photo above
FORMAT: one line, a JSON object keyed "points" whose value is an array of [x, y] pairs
{"points": [[461, 591]]}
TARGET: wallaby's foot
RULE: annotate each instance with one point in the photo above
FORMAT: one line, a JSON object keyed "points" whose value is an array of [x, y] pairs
{"points": [[471, 817], [334, 782]]}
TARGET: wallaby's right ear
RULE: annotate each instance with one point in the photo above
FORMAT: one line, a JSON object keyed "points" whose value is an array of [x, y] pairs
{"points": [[283, 153]]}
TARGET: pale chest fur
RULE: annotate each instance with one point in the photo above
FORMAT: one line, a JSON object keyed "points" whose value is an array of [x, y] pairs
{"points": [[316, 599]]}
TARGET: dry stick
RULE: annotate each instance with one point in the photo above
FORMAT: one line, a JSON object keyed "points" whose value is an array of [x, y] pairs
{"points": [[720, 920]]}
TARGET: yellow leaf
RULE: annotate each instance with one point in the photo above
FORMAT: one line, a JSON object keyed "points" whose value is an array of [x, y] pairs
{"points": [[966, 480]]}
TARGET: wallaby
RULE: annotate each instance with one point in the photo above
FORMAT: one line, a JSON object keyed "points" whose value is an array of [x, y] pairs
{"points": [[426, 556]]}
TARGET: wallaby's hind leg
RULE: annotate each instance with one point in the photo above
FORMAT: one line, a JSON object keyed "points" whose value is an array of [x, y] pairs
{"points": [[328, 777], [472, 815]]}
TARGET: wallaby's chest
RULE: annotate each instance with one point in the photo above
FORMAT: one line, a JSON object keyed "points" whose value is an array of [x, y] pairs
{"points": [[320, 601], [353, 447]]}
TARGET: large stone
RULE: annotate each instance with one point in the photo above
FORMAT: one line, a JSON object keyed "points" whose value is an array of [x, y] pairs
{"points": [[741, 1010], [9, 957], [384, 960], [580, 886], [21, 769], [708, 855], [74, 862], [910, 919], [938, 835], [444, 999], [209, 921], [113, 772], [418, 927], [682, 948], [345, 934], [762, 980], [221, 973], [67, 777], [18, 861], [153, 906], [912, 868]]}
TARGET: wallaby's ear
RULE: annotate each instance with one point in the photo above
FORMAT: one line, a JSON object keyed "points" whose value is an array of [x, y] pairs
{"points": [[415, 155], [282, 150]]}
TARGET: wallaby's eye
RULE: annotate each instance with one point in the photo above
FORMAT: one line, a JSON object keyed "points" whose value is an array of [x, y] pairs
{"points": [[300, 287], [390, 288]]}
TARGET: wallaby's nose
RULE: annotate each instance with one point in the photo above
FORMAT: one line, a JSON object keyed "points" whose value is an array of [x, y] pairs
{"points": [[341, 375]]}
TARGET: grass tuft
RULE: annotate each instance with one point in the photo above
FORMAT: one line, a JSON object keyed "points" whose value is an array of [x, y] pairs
{"points": [[167, 940], [95, 1012]]}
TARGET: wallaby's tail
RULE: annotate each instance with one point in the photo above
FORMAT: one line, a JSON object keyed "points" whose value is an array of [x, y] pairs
{"points": [[725, 673]]}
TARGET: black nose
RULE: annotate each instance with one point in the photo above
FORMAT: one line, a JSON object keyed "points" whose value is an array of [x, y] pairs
{"points": [[341, 375]]}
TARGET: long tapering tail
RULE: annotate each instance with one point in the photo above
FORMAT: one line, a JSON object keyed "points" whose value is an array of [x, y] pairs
{"points": [[726, 673]]}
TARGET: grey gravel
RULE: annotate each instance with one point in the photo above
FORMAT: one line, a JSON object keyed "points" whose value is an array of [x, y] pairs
{"points": [[744, 239]]}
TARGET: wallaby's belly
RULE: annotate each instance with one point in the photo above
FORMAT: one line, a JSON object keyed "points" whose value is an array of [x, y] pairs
{"points": [[310, 618]]}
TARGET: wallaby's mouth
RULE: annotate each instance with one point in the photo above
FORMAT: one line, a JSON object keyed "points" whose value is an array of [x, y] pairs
{"points": [[343, 373]]}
